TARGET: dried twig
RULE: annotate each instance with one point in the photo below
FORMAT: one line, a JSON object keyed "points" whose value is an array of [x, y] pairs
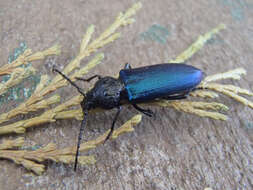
{"points": [[197, 45], [46, 117], [18, 75], [10, 144], [85, 50], [204, 94], [29, 159], [228, 90], [32, 103], [231, 91], [197, 108], [232, 74], [29, 107], [26, 57]]}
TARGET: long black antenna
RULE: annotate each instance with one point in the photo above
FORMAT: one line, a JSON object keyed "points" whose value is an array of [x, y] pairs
{"points": [[85, 114], [70, 81]]}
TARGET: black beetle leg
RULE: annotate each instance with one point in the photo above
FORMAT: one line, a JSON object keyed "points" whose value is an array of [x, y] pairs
{"points": [[113, 123], [127, 66], [70, 81], [177, 97], [88, 79], [147, 112], [198, 88]]}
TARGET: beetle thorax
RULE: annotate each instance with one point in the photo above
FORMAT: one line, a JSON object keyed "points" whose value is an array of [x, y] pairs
{"points": [[105, 94]]}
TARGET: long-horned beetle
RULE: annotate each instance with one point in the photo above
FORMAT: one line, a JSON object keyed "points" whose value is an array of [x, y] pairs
{"points": [[138, 85]]}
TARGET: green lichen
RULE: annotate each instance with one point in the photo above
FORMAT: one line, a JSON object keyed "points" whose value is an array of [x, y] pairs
{"points": [[156, 33]]}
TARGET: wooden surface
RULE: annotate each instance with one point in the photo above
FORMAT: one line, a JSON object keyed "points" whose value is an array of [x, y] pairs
{"points": [[173, 150]]}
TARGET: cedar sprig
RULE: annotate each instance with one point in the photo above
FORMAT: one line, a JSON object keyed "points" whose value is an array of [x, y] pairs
{"points": [[197, 45], [86, 49], [24, 108], [27, 57], [36, 101], [10, 144], [33, 160], [198, 108], [18, 75], [44, 88], [46, 117], [232, 91]]}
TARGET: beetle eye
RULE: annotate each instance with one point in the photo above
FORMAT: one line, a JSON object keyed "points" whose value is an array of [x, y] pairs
{"points": [[105, 93]]}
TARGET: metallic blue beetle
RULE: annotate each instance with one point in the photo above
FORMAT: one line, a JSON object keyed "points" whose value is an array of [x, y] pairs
{"points": [[162, 81]]}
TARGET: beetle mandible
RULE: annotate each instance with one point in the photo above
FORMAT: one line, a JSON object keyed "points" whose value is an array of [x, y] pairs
{"points": [[162, 81]]}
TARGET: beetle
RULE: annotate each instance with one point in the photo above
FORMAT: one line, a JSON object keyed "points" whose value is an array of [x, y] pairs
{"points": [[133, 86]]}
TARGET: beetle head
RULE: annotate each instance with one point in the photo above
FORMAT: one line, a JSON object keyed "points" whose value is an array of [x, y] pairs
{"points": [[105, 94]]}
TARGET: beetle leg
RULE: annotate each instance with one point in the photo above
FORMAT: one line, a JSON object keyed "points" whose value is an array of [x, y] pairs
{"points": [[113, 123], [88, 79], [70, 81], [198, 88], [147, 112], [177, 97], [127, 66]]}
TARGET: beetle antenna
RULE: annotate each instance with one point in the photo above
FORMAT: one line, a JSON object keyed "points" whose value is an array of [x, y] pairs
{"points": [[70, 81], [80, 137]]}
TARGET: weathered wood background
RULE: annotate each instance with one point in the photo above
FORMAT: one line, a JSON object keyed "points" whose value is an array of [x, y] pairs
{"points": [[173, 150]]}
